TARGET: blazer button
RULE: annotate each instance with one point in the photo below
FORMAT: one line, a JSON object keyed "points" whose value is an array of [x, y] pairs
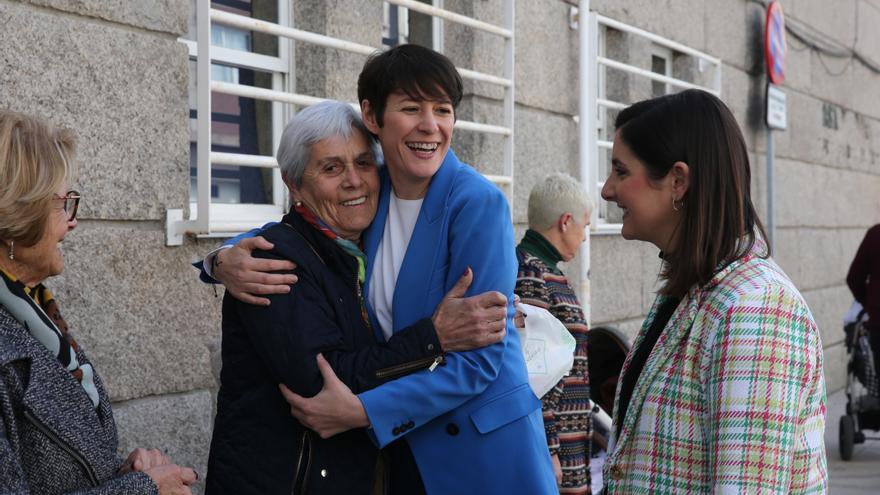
{"points": [[616, 472], [410, 425], [430, 347], [396, 431], [323, 473], [452, 429]]}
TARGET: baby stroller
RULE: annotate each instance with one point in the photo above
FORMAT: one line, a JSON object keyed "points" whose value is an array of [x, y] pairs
{"points": [[862, 389], [607, 351]]}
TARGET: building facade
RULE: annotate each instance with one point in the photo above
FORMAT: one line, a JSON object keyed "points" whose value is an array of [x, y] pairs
{"points": [[122, 75]]}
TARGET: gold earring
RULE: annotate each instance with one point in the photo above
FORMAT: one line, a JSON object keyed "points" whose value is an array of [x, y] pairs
{"points": [[12, 250], [674, 207]]}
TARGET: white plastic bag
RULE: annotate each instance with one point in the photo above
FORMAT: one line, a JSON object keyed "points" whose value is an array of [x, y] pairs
{"points": [[548, 348]]}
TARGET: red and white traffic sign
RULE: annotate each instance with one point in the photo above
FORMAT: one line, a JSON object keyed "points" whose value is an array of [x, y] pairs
{"points": [[774, 43]]}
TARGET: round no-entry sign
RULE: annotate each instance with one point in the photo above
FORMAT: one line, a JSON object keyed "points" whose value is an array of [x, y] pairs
{"points": [[774, 43]]}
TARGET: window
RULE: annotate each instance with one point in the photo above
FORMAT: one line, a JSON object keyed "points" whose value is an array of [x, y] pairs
{"points": [[631, 64], [241, 194]]}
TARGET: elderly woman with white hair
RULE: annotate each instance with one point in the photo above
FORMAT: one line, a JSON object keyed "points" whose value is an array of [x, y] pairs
{"points": [[328, 162], [559, 214]]}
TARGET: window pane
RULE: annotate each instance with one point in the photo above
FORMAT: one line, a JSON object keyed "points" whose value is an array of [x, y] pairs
{"points": [[238, 125], [237, 39], [658, 66]]}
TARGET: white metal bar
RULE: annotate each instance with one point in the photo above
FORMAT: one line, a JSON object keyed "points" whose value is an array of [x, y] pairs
{"points": [[588, 106], [466, 125], [265, 94], [251, 24], [678, 47], [437, 29], [203, 116], [604, 144], [614, 105], [453, 17], [238, 58], [588, 29], [258, 25], [509, 95], [479, 76], [614, 64], [499, 179], [305, 100], [239, 159]]}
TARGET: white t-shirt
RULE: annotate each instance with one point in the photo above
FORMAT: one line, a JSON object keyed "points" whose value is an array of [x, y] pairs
{"points": [[399, 224]]}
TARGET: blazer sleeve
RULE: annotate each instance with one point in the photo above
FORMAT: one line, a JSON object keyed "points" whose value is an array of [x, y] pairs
{"points": [[290, 332], [765, 395], [532, 289], [477, 221], [200, 265], [14, 480]]}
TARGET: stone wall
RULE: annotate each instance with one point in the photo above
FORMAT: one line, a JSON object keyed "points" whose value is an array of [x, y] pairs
{"points": [[115, 73]]}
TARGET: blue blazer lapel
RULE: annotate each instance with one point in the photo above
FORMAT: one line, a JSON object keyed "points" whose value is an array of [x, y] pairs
{"points": [[427, 241]]}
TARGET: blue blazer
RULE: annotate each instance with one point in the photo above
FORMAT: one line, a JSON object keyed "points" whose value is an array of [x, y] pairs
{"points": [[474, 425]]}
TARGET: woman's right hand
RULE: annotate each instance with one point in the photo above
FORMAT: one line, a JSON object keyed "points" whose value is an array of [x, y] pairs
{"points": [[246, 277], [465, 323], [173, 479]]}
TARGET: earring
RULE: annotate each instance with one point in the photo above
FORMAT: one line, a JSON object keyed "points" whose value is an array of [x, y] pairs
{"points": [[674, 207], [12, 250], [297, 203]]}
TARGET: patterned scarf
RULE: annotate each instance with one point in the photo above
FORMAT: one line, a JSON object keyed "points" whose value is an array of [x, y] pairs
{"points": [[36, 309], [349, 247]]}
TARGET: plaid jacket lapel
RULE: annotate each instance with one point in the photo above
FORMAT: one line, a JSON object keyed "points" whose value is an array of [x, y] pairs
{"points": [[675, 330]]}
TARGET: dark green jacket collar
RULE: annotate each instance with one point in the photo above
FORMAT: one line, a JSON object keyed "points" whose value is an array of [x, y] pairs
{"points": [[538, 245]]}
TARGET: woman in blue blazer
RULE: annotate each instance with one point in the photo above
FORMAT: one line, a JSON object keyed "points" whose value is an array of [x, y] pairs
{"points": [[471, 420]]}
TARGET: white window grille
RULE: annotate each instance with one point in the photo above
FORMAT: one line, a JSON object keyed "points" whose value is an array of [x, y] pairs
{"points": [[658, 68], [208, 217]]}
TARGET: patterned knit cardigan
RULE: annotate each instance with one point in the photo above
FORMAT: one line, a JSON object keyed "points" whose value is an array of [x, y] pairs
{"points": [[732, 398], [52, 439], [566, 412]]}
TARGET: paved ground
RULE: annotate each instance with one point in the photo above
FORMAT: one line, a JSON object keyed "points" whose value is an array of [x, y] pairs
{"points": [[859, 475]]}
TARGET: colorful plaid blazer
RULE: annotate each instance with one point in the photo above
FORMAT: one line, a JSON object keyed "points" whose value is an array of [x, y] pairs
{"points": [[732, 397]]}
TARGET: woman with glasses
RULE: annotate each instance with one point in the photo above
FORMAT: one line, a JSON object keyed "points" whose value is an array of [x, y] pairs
{"points": [[57, 433]]}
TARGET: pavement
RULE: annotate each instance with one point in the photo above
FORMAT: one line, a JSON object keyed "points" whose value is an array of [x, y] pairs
{"points": [[859, 475]]}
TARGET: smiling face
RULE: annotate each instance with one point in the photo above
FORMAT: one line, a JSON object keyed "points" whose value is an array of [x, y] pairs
{"points": [[415, 137], [341, 184], [646, 203], [36, 263]]}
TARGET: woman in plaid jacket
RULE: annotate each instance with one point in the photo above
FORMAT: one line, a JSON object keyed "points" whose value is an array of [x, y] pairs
{"points": [[723, 391]]}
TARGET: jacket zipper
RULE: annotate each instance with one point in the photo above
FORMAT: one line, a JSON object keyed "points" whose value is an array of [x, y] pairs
{"points": [[360, 294], [93, 478], [402, 369], [304, 443]]}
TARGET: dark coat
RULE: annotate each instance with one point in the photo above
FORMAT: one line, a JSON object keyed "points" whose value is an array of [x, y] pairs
{"points": [[52, 439], [258, 447]]}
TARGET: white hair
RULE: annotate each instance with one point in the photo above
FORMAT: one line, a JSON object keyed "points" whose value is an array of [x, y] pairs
{"points": [[557, 194], [316, 123]]}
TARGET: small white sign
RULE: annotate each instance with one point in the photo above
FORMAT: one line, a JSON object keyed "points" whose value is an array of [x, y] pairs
{"points": [[777, 109]]}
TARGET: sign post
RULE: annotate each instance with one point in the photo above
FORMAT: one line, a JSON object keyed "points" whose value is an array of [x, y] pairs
{"points": [[774, 54]]}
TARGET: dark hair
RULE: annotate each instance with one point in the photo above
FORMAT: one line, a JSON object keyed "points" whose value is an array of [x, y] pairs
{"points": [[718, 222], [421, 73]]}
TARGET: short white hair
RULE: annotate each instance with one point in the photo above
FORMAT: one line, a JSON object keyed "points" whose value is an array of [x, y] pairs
{"points": [[557, 194], [316, 123]]}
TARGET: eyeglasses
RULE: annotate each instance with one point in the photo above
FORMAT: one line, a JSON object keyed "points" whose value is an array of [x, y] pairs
{"points": [[71, 203]]}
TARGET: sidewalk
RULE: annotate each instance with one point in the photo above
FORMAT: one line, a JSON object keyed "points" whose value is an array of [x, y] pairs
{"points": [[859, 475]]}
